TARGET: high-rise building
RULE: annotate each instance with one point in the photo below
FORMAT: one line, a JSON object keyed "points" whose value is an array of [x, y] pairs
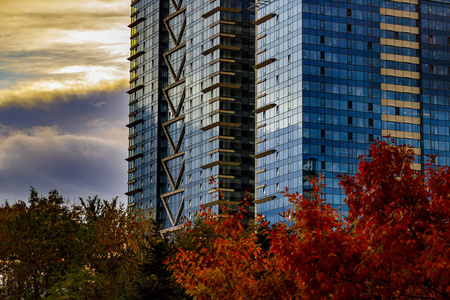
{"points": [[265, 95], [333, 75], [191, 105]]}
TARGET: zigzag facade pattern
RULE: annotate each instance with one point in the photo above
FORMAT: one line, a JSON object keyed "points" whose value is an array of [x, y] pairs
{"points": [[177, 77]]}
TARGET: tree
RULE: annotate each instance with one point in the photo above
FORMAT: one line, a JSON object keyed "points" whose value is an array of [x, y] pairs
{"points": [[115, 242], [156, 281], [394, 242], [219, 257], [38, 244], [95, 250]]}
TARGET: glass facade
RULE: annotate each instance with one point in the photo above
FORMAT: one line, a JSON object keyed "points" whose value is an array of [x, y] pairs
{"points": [[435, 65], [191, 105], [262, 96], [339, 74]]}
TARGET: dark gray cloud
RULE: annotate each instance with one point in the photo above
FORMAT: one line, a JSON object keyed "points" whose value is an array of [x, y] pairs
{"points": [[73, 115], [76, 147], [75, 165]]}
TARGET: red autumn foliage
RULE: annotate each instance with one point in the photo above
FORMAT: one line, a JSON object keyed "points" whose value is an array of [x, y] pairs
{"points": [[222, 258], [393, 244]]}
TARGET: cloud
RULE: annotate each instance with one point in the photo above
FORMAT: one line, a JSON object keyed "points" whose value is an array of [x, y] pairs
{"points": [[76, 165], [52, 50], [35, 93], [99, 104]]}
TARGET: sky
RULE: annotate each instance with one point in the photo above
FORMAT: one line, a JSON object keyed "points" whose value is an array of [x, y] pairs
{"points": [[63, 101]]}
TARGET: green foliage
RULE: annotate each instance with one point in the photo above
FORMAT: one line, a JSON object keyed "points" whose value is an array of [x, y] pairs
{"points": [[39, 244], [80, 284], [96, 250], [157, 281]]}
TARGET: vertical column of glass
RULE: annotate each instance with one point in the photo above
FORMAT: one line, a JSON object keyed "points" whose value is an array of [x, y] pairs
{"points": [[341, 90], [132, 107], [197, 70], [147, 128], [217, 90], [232, 104], [138, 58], [435, 63], [279, 108], [154, 73]]}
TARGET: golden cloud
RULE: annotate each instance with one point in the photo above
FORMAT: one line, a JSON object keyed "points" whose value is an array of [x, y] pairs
{"points": [[42, 92], [52, 50]]}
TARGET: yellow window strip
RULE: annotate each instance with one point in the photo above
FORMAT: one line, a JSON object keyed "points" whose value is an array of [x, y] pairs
{"points": [[400, 88], [416, 166], [417, 151], [399, 28], [399, 13], [399, 43], [401, 134], [400, 119], [400, 73], [407, 1], [400, 103], [400, 58]]}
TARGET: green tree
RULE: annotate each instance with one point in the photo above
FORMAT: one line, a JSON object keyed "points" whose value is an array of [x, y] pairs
{"points": [[113, 242], [38, 244], [94, 250], [156, 280]]}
